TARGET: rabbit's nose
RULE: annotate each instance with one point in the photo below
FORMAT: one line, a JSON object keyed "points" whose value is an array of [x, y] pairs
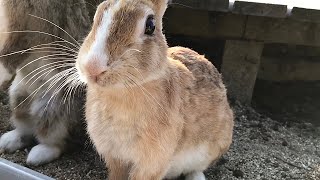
{"points": [[95, 66]]}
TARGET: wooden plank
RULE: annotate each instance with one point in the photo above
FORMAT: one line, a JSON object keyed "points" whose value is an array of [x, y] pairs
{"points": [[205, 24], [291, 51], [289, 69], [259, 9], [302, 14], [210, 5], [287, 31], [240, 67], [219, 25]]}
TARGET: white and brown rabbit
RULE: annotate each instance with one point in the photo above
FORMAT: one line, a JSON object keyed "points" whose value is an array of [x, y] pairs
{"points": [[38, 43], [152, 112]]}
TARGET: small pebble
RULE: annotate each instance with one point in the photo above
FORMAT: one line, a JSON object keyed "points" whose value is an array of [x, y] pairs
{"points": [[275, 165], [283, 174], [238, 173], [285, 169], [275, 127], [284, 143], [267, 160], [265, 138]]}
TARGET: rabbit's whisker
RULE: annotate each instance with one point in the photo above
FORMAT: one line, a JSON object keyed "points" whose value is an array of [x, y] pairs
{"points": [[42, 58], [54, 66], [54, 48], [35, 71], [38, 89], [72, 92], [26, 50], [58, 89], [69, 88], [57, 27], [55, 79], [47, 73], [58, 78], [57, 43], [67, 54], [44, 33]]}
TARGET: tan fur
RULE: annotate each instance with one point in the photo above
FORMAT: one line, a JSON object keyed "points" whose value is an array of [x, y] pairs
{"points": [[150, 107], [38, 109]]}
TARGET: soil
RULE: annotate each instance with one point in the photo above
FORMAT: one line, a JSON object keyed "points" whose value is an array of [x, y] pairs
{"points": [[262, 149]]}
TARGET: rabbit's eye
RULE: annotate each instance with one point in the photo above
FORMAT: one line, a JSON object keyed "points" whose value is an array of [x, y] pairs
{"points": [[150, 26]]}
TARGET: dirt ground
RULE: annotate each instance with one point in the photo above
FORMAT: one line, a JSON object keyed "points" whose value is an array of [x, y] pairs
{"points": [[262, 149]]}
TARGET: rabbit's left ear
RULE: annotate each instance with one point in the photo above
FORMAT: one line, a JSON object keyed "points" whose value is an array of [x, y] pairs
{"points": [[161, 5]]}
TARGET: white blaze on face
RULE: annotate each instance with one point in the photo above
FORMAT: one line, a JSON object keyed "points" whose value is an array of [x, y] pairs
{"points": [[98, 48], [3, 25], [4, 75], [95, 62]]}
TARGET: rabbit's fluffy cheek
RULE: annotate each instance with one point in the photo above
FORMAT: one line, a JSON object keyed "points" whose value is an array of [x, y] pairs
{"points": [[4, 25]]}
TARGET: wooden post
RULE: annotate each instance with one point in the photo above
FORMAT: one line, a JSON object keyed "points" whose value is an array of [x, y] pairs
{"points": [[240, 67]]}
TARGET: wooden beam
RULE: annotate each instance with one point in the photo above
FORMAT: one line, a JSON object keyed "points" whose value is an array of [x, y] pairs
{"points": [[240, 67], [203, 24], [209, 5], [288, 31], [259, 9], [221, 25], [302, 14]]}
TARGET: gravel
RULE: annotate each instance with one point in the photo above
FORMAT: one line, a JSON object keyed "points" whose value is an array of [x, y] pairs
{"points": [[262, 149]]}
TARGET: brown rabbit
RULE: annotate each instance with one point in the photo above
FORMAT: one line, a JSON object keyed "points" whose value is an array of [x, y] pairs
{"points": [[40, 56], [152, 112]]}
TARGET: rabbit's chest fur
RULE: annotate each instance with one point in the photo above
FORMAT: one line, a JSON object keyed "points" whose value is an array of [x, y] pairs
{"points": [[112, 130], [4, 25], [123, 130]]}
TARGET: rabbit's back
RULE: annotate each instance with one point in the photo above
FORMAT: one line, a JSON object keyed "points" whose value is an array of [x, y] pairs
{"points": [[205, 109]]}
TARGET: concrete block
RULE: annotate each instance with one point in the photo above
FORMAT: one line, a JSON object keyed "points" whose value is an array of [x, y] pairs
{"points": [[240, 65]]}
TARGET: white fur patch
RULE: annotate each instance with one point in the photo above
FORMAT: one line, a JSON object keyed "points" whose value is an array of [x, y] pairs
{"points": [[195, 176], [42, 154], [96, 59], [11, 141], [98, 48], [3, 26], [192, 160], [97, 55], [5, 75]]}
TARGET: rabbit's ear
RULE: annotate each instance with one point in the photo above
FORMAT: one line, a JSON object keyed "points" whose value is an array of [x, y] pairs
{"points": [[161, 5], [161, 2]]}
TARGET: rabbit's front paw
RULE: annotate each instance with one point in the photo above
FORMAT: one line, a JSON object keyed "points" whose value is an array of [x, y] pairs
{"points": [[42, 154], [11, 141], [195, 176]]}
